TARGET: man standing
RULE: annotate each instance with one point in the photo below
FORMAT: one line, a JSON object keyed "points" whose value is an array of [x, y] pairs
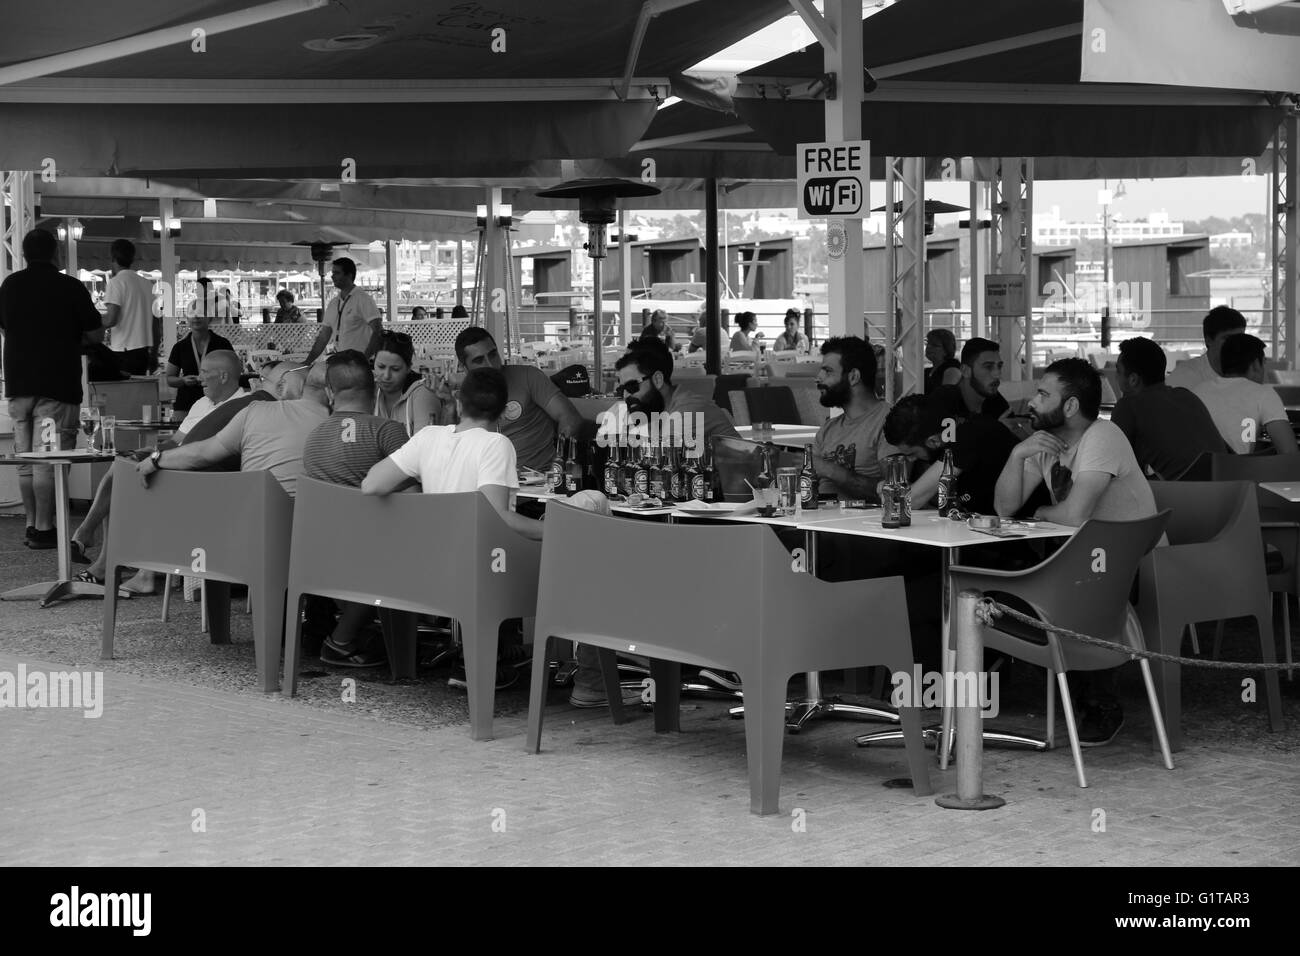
{"points": [[1169, 428], [535, 408], [846, 451], [1091, 471], [43, 316], [352, 319], [1219, 323], [130, 313], [976, 394], [1242, 406]]}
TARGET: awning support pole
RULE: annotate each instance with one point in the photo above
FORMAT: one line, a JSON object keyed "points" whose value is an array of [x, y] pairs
{"points": [[712, 300], [167, 265], [846, 289]]}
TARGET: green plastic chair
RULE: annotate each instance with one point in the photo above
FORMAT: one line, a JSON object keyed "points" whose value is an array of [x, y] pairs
{"points": [[737, 604], [1083, 587], [1279, 523], [454, 557], [1213, 569], [228, 527]]}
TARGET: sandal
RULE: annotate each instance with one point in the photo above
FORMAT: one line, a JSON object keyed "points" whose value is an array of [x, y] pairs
{"points": [[78, 550], [338, 655], [85, 577]]}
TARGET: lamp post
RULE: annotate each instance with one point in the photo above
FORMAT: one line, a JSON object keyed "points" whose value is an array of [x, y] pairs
{"points": [[1104, 197]]}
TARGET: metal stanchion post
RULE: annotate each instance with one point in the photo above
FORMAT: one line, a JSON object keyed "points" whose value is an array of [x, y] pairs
{"points": [[970, 740]]}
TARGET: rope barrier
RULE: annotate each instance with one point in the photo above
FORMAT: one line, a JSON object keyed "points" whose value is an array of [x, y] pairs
{"points": [[989, 610]]}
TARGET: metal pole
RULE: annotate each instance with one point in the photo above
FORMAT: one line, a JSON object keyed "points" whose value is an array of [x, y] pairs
{"points": [[712, 301], [167, 264], [597, 326], [970, 732], [625, 279], [390, 279], [460, 272], [976, 269]]}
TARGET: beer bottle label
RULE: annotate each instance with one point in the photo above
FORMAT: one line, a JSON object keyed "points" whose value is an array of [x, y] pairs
{"points": [[807, 491], [555, 477], [697, 486], [641, 482]]}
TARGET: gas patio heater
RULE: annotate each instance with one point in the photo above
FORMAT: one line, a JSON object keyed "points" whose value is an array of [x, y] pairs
{"points": [[597, 199], [321, 253]]}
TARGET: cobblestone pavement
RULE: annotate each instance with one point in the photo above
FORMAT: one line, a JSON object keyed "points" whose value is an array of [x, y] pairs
{"points": [[274, 781]]}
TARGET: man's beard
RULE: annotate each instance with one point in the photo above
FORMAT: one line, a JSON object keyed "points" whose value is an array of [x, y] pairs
{"points": [[654, 402], [1046, 421], [835, 396], [985, 389]]}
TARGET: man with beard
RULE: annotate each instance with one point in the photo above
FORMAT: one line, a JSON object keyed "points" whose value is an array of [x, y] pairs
{"points": [[1090, 469], [977, 392], [645, 378], [846, 451], [980, 448]]}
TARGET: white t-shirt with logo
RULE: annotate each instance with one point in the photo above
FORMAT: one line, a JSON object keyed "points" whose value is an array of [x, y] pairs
{"points": [[1241, 409], [132, 293], [446, 461]]}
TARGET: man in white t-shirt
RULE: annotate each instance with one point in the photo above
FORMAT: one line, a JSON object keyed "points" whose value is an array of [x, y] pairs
{"points": [[1242, 406], [129, 301], [352, 320], [1089, 467], [1219, 323]]}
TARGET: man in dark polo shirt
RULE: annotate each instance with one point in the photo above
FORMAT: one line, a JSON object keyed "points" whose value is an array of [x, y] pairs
{"points": [[977, 392], [1169, 428], [341, 450], [43, 317], [980, 449]]}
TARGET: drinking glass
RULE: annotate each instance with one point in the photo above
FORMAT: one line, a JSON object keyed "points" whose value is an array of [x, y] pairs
{"points": [[787, 483], [107, 424], [90, 422]]}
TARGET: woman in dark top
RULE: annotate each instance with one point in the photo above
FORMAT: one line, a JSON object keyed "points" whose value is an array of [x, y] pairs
{"points": [[183, 362], [941, 352]]}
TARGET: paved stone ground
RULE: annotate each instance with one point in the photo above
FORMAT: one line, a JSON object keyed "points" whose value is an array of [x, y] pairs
{"points": [[395, 779]]}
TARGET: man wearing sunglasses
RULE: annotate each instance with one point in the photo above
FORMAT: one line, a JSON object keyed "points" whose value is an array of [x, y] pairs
{"points": [[1090, 469], [645, 381]]}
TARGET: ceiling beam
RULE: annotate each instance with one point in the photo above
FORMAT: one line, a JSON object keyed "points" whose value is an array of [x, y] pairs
{"points": [[1083, 94], [822, 30], [1005, 45], [180, 35], [164, 90], [695, 137], [649, 10]]}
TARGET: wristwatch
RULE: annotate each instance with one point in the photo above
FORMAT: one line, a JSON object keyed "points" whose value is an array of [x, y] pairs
{"points": [[156, 458]]}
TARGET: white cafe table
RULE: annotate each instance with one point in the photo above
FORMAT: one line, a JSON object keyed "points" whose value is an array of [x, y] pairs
{"points": [[65, 587], [1283, 489], [949, 536], [787, 436], [539, 493]]}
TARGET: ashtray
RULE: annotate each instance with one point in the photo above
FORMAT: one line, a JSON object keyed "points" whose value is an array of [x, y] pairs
{"points": [[984, 522]]}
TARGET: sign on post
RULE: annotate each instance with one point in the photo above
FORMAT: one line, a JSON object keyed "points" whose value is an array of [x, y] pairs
{"points": [[834, 180], [1004, 296]]}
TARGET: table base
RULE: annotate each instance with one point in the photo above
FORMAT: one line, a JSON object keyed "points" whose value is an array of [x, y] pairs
{"points": [[950, 801], [50, 591], [990, 736], [799, 712]]}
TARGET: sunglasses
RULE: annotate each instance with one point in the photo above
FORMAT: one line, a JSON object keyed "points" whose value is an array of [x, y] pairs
{"points": [[627, 388]]}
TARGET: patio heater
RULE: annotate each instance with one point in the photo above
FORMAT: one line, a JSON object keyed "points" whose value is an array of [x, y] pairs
{"points": [[597, 199]]}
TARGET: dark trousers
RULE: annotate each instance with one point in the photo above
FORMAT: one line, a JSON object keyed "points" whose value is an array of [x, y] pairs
{"points": [[139, 361]]}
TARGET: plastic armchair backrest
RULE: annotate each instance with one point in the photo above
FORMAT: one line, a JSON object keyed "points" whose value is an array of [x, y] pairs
{"points": [[772, 403], [737, 461], [1083, 587], [1285, 377], [1258, 468], [701, 385], [1290, 394], [399, 552], [807, 400], [738, 403]]}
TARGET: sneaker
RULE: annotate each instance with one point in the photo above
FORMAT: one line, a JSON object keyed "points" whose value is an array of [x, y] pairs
{"points": [[1099, 723], [29, 533], [43, 540], [581, 697], [365, 655]]}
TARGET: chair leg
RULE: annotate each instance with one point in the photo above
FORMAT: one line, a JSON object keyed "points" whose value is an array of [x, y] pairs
{"points": [[1068, 705], [1272, 688], [613, 689], [248, 602], [1286, 630], [216, 594], [268, 629], [537, 693], [292, 643], [764, 738], [401, 637], [1218, 639], [480, 647], [667, 676], [167, 597], [109, 623], [1159, 721], [203, 607], [946, 723], [1051, 709], [1196, 642], [914, 741]]}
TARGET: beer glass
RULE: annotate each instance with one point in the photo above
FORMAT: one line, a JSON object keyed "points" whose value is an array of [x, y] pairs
{"points": [[787, 482], [107, 425]]}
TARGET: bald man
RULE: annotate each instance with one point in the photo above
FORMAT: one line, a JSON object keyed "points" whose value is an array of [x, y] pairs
{"points": [[267, 436]]}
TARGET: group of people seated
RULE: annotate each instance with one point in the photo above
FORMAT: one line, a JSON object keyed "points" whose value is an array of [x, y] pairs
{"points": [[369, 421]]}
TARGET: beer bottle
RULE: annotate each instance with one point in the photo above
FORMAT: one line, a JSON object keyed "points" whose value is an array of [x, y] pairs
{"points": [[641, 472], [555, 471], [947, 485], [808, 482], [572, 470], [695, 478], [709, 476], [676, 474], [904, 492], [765, 477], [890, 513], [627, 472], [611, 471], [656, 473]]}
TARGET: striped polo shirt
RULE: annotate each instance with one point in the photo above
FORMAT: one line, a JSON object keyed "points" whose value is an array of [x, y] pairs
{"points": [[344, 447]]}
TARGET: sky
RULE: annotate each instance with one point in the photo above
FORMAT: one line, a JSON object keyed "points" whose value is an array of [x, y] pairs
{"points": [[1183, 199]]}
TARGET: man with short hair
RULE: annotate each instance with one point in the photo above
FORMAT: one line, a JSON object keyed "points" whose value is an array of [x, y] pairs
{"points": [[352, 319], [977, 392], [657, 328], [847, 449], [1089, 467], [917, 427], [44, 316], [267, 436], [1242, 406], [129, 301], [1169, 428], [1219, 323], [341, 450], [645, 380], [534, 408]]}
